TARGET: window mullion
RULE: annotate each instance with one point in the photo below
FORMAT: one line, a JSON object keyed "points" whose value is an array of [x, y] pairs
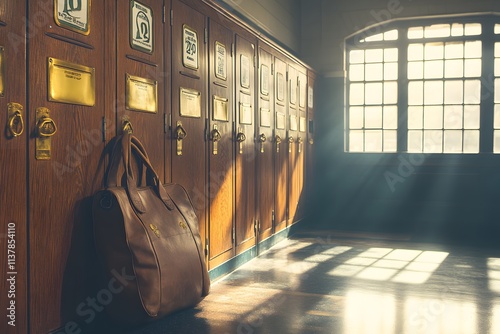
{"points": [[487, 88], [403, 90]]}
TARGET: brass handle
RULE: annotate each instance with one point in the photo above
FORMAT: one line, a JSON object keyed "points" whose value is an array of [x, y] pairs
{"points": [[216, 136], [299, 140], [291, 139], [311, 141], [16, 124], [240, 137], [180, 132], [278, 139], [127, 127], [262, 138], [46, 127]]}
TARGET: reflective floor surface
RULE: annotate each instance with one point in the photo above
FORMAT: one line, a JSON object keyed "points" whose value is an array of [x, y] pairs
{"points": [[320, 283]]}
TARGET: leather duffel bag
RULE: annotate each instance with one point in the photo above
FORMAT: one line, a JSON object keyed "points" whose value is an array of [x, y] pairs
{"points": [[147, 238]]}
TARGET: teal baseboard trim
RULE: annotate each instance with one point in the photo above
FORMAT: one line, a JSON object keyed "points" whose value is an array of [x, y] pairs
{"points": [[264, 245]]}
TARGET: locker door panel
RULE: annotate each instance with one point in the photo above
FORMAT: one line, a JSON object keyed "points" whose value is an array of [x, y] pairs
{"points": [[140, 67], [281, 143], [311, 89], [301, 145], [265, 144], [61, 249], [13, 197], [220, 147], [292, 136], [245, 145], [189, 119]]}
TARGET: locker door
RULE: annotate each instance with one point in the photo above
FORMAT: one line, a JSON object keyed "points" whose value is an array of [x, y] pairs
{"points": [[292, 144], [189, 106], [66, 75], [280, 143], [245, 145], [265, 147], [311, 85], [13, 226], [141, 76], [220, 149], [301, 143]]}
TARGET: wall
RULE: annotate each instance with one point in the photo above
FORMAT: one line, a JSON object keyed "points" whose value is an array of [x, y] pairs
{"points": [[277, 18], [441, 197]]}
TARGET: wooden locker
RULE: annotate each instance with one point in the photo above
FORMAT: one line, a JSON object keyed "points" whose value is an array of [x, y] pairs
{"points": [[280, 142], [188, 112], [265, 143], [66, 75], [220, 147], [245, 149], [13, 197], [301, 143], [292, 144], [311, 105], [141, 76]]}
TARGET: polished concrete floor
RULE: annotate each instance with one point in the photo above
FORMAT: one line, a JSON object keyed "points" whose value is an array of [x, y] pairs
{"points": [[323, 283]]}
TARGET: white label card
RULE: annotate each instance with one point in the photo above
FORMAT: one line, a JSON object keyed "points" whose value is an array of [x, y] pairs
{"points": [[264, 80], [310, 98], [141, 27], [245, 71], [220, 61], [73, 15], [190, 48]]}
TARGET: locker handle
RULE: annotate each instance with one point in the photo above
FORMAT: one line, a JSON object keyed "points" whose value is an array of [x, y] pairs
{"points": [[180, 132], [291, 140], [262, 138], [216, 136], [46, 127], [278, 139], [240, 137], [16, 121]]}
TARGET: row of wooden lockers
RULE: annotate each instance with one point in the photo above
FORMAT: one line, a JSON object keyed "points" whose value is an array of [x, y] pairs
{"points": [[220, 109]]}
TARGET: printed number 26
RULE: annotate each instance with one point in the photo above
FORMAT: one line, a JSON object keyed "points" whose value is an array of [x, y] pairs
{"points": [[190, 48]]}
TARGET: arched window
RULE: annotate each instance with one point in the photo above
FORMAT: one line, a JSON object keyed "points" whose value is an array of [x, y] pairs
{"points": [[427, 85]]}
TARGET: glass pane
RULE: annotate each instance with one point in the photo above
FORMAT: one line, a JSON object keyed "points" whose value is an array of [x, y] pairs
{"points": [[472, 91], [390, 141], [373, 72], [453, 92], [496, 141], [416, 93], [415, 117], [433, 117], [415, 32], [357, 72], [433, 141], [471, 117], [390, 71], [390, 55], [471, 141], [373, 117], [391, 35], [497, 67], [472, 68], [454, 50], [473, 49], [434, 51], [375, 38], [453, 117], [390, 117], [472, 29], [390, 92], [457, 29], [496, 120], [433, 69], [373, 93], [437, 30], [414, 141], [357, 94], [415, 52], [453, 141], [373, 141], [416, 70], [356, 141], [356, 117], [357, 56], [497, 90], [433, 92], [374, 56], [454, 68]]}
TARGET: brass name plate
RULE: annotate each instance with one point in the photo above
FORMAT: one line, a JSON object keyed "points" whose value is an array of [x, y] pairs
{"points": [[245, 113], [71, 83], [2, 72], [141, 94], [265, 117], [190, 103], [302, 124], [293, 122], [280, 120], [221, 109]]}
